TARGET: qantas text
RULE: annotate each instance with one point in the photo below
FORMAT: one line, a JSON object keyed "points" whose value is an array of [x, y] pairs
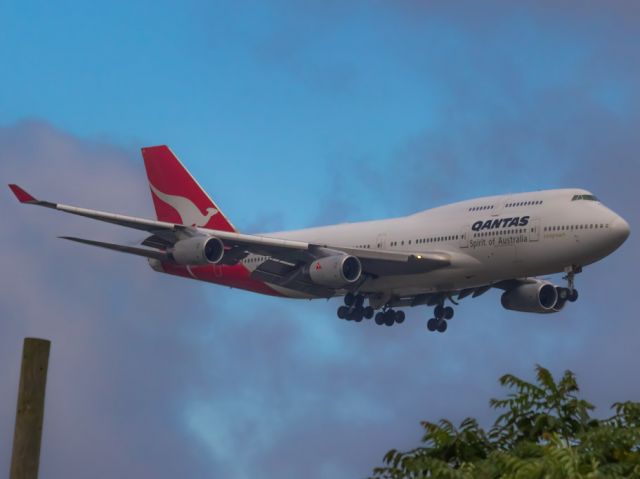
{"points": [[500, 223]]}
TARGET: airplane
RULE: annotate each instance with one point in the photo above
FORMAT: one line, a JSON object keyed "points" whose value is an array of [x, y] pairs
{"points": [[435, 257]]}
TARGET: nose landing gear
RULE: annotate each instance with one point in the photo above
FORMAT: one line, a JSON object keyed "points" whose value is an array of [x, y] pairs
{"points": [[571, 293]]}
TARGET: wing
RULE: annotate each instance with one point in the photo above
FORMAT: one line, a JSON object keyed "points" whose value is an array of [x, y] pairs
{"points": [[290, 253]]}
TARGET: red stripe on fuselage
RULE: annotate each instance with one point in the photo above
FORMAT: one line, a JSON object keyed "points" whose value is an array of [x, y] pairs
{"points": [[235, 276]]}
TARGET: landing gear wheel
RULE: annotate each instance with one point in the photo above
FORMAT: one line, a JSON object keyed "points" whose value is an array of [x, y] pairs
{"points": [[357, 315], [343, 311], [439, 311], [399, 317], [448, 312], [379, 318], [442, 326], [390, 317], [368, 312], [349, 299], [573, 296], [432, 324]]}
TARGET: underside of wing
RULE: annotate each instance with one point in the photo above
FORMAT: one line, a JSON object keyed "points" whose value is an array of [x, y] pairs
{"points": [[148, 253], [289, 276], [390, 263]]}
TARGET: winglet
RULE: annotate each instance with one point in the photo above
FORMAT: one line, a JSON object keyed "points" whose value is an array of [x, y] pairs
{"points": [[23, 196]]}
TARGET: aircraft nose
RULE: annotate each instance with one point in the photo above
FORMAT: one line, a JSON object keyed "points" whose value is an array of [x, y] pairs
{"points": [[620, 228]]}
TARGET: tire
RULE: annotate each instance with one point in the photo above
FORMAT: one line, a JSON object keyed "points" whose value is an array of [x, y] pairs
{"points": [[448, 312], [442, 326], [432, 324], [342, 312], [399, 317], [389, 318], [380, 319], [438, 312], [358, 314], [573, 296], [368, 312], [349, 298]]}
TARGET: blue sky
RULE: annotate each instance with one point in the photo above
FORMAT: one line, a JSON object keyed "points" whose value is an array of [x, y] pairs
{"points": [[293, 115]]}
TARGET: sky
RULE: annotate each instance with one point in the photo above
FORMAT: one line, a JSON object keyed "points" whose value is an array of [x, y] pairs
{"points": [[294, 114]]}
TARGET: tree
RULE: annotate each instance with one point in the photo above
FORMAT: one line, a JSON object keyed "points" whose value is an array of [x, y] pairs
{"points": [[544, 430]]}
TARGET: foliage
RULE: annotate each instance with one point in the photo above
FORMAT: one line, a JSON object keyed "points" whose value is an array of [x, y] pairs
{"points": [[544, 430]]}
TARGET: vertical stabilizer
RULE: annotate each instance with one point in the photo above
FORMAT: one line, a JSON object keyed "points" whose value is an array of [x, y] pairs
{"points": [[177, 196]]}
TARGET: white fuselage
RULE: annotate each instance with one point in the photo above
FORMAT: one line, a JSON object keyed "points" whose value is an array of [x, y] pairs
{"points": [[489, 239]]}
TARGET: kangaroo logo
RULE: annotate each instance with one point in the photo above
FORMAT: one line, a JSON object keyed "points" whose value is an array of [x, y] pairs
{"points": [[190, 214]]}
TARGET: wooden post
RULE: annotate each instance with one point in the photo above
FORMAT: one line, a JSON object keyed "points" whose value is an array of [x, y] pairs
{"points": [[30, 412]]}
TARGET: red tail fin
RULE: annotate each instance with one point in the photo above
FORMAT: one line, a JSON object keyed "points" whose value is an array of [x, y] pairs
{"points": [[177, 197]]}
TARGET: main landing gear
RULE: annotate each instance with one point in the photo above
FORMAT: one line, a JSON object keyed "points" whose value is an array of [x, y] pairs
{"points": [[389, 317], [441, 315], [354, 310]]}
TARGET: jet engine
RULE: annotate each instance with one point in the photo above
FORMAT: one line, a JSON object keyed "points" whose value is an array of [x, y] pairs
{"points": [[335, 271], [538, 297], [198, 250]]}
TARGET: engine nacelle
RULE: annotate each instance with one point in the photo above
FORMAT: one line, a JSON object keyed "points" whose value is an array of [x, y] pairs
{"points": [[198, 250], [335, 271], [538, 297]]}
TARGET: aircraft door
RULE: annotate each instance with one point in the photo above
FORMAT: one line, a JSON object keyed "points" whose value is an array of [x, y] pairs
{"points": [[381, 241], [534, 229], [499, 207], [464, 236]]}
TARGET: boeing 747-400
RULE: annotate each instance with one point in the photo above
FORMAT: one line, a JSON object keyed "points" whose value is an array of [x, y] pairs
{"points": [[434, 257]]}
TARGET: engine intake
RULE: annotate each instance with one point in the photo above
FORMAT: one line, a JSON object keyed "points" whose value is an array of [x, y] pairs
{"points": [[538, 297], [335, 271], [198, 250]]}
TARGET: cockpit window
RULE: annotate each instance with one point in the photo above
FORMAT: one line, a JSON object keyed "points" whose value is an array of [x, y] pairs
{"points": [[584, 197]]}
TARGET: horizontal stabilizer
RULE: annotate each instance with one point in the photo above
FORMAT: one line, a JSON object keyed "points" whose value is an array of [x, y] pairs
{"points": [[149, 253]]}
